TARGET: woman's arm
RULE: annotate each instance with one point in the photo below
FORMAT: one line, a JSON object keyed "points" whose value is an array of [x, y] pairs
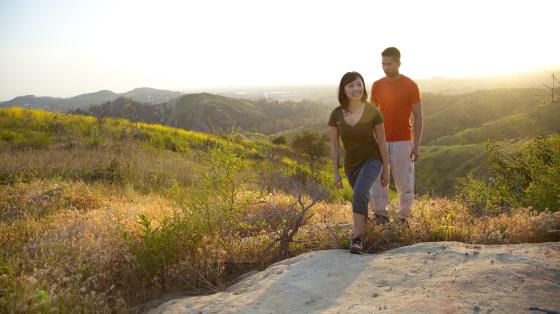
{"points": [[335, 155], [379, 133]]}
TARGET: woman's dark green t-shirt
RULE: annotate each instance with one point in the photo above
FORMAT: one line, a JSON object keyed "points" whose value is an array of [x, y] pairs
{"points": [[359, 142]]}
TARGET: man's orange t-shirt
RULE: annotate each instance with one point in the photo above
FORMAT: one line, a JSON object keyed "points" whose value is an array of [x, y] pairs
{"points": [[395, 99]]}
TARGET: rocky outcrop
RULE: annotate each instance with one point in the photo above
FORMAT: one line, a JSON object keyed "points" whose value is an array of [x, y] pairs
{"points": [[440, 277]]}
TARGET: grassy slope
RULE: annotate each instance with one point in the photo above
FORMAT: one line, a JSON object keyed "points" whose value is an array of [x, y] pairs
{"points": [[440, 165], [475, 109], [207, 112], [538, 120], [101, 217]]}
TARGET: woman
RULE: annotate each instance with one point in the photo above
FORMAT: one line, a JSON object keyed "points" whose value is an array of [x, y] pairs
{"points": [[360, 126]]}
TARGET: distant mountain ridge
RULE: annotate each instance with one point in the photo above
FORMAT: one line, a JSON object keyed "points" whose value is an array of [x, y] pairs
{"points": [[453, 86], [143, 95], [318, 93]]}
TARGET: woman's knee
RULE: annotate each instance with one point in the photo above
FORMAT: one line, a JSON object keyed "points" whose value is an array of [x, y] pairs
{"points": [[362, 195]]}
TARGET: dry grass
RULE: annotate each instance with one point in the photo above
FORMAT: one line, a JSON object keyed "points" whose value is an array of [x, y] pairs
{"points": [[138, 165], [63, 245], [75, 257], [72, 238], [448, 220]]}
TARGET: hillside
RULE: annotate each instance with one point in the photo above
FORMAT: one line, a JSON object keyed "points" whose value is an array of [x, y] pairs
{"points": [[440, 166], [103, 215], [211, 113], [129, 109], [536, 121], [26, 136], [450, 121], [445, 115], [477, 116]]}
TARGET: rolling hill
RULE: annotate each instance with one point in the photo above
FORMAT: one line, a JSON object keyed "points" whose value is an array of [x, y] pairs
{"points": [[211, 113], [446, 116], [455, 129]]}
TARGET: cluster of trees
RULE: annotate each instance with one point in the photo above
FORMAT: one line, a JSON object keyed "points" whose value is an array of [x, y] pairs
{"points": [[315, 145], [129, 109]]}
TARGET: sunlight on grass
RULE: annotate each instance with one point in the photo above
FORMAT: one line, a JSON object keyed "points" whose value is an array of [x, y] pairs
{"points": [[109, 214]]}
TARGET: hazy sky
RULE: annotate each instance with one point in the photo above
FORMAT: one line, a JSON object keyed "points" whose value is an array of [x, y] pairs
{"points": [[65, 48]]}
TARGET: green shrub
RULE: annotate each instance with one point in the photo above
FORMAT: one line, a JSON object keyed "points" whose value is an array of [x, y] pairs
{"points": [[157, 247], [526, 176], [314, 144]]}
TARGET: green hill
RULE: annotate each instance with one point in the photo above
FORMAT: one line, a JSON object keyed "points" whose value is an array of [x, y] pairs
{"points": [[320, 127], [539, 120], [212, 113], [447, 115], [35, 144], [439, 167]]}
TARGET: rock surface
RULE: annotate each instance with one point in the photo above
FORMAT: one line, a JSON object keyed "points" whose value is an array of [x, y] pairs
{"points": [[437, 277]]}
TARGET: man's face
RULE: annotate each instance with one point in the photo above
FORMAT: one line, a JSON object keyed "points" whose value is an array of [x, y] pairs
{"points": [[390, 66]]}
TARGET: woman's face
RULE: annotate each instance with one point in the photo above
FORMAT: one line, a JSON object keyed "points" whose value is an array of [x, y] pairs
{"points": [[355, 89]]}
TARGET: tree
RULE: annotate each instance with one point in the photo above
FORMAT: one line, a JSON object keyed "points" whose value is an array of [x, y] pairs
{"points": [[281, 140], [314, 144]]}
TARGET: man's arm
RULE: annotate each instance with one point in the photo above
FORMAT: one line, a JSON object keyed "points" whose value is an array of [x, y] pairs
{"points": [[418, 121]]}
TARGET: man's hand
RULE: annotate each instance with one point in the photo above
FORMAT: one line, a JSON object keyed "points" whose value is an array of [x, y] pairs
{"points": [[415, 153], [418, 125], [385, 176]]}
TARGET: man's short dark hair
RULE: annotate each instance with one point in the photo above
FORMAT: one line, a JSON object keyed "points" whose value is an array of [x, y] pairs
{"points": [[392, 52]]}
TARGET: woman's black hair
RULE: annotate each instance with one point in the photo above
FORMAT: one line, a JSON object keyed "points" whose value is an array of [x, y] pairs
{"points": [[349, 77]]}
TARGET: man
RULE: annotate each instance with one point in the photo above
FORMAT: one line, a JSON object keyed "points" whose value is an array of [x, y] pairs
{"points": [[397, 97]]}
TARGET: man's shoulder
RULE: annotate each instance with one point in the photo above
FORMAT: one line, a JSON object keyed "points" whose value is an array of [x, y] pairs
{"points": [[403, 79], [408, 80]]}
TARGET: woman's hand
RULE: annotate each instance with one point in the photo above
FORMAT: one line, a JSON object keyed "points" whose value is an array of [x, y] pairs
{"points": [[385, 175], [337, 181]]}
